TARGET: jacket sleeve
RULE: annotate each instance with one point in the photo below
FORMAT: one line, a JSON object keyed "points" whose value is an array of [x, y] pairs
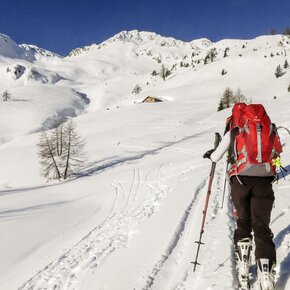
{"points": [[222, 148]]}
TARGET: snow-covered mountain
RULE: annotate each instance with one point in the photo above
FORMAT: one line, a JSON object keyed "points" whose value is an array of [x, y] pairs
{"points": [[8, 48], [130, 219], [32, 52]]}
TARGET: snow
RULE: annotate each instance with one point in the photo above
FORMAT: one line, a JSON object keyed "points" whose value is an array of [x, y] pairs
{"points": [[131, 215]]}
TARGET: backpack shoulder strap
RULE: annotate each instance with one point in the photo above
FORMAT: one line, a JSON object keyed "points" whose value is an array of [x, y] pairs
{"points": [[232, 155]]}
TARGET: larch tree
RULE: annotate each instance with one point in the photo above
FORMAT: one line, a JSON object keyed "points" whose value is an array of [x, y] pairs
{"points": [[74, 151], [61, 151], [6, 96]]}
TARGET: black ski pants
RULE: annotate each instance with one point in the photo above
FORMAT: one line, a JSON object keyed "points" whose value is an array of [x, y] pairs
{"points": [[253, 201]]}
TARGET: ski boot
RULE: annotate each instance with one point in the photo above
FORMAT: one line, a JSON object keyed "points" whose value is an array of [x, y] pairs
{"points": [[243, 250], [266, 274]]}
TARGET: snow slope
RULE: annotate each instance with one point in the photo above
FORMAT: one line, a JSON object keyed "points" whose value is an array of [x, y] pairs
{"points": [[129, 218]]}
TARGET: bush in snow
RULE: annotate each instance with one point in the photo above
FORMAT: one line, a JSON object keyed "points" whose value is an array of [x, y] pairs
{"points": [[61, 151], [279, 71], [223, 72], [286, 64], [137, 89], [289, 88], [6, 96], [184, 64], [154, 73], [157, 59]]}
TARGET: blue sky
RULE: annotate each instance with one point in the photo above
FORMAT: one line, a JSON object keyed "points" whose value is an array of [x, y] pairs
{"points": [[62, 25]]}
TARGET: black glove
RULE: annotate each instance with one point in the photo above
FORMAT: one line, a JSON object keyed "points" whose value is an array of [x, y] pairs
{"points": [[208, 153]]}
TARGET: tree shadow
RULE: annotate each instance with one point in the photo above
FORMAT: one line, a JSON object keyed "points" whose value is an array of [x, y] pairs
{"points": [[285, 264], [103, 165], [24, 189], [21, 100]]}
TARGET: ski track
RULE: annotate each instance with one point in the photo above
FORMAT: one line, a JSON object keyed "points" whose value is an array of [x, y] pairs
{"points": [[113, 233], [189, 280], [182, 240], [178, 234]]}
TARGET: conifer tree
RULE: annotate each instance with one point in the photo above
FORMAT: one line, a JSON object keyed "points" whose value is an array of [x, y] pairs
{"points": [[227, 49], [226, 100], [164, 72], [279, 71]]}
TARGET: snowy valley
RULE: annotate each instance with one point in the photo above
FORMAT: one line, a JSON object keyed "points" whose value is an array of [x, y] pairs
{"points": [[129, 217]]}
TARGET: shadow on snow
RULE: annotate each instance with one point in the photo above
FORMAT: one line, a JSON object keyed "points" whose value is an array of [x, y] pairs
{"points": [[100, 166], [285, 264]]}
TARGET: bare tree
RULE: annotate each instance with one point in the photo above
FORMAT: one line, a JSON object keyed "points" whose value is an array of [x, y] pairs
{"points": [[239, 96], [74, 153], [6, 96], [61, 151], [47, 154]]}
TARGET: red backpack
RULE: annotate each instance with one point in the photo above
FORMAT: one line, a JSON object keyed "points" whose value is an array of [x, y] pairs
{"points": [[236, 119], [256, 144]]}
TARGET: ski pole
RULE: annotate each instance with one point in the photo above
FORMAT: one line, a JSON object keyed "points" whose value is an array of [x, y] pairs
{"points": [[225, 183], [213, 165]]}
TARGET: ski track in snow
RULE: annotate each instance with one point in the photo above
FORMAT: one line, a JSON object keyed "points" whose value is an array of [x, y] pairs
{"points": [[128, 209], [113, 233], [178, 235], [163, 275], [180, 252]]}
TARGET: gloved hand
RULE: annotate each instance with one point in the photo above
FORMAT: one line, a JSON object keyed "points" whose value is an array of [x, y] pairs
{"points": [[208, 153]]}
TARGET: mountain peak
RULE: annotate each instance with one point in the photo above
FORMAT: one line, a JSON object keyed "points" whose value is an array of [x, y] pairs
{"points": [[9, 48], [136, 35], [31, 51]]}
